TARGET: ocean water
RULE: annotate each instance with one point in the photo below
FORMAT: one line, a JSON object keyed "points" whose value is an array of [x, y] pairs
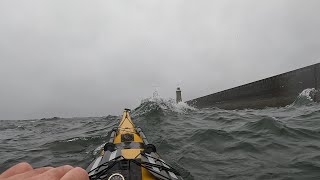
{"points": [[272, 143]]}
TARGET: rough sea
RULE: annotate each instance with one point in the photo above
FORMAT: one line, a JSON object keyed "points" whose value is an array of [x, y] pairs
{"points": [[271, 143]]}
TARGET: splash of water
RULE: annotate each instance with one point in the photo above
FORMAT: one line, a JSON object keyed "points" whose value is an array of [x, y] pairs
{"points": [[308, 93], [159, 104], [305, 97]]}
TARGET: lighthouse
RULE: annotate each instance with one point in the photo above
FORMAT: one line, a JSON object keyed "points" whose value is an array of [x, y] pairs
{"points": [[178, 95]]}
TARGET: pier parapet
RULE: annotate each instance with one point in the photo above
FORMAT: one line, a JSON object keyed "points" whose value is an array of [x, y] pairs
{"points": [[275, 91]]}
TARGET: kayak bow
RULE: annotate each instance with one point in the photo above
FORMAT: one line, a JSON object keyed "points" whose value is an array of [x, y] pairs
{"points": [[129, 156]]}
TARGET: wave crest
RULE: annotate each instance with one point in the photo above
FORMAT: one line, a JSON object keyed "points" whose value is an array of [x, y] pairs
{"points": [[161, 105], [272, 126], [306, 97]]}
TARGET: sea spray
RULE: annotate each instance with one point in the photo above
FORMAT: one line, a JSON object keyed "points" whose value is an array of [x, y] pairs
{"points": [[305, 97], [159, 104]]}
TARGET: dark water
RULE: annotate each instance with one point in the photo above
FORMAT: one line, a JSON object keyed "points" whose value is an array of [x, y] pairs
{"points": [[273, 143]]}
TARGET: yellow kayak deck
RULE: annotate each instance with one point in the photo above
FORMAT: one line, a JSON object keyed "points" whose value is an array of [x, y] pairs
{"points": [[128, 155]]}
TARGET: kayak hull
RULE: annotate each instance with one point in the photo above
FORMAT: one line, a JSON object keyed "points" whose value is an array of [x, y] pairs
{"points": [[129, 155]]}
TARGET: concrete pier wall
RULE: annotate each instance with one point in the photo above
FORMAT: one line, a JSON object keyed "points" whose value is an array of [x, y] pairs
{"points": [[275, 91]]}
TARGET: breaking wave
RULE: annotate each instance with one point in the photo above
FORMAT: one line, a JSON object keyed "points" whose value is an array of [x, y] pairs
{"points": [[306, 97], [161, 105]]}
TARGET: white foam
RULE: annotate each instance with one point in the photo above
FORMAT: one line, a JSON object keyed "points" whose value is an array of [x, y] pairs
{"points": [[168, 104], [305, 97], [308, 93]]}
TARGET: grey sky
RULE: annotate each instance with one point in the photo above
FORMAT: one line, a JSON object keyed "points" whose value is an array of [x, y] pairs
{"points": [[93, 58]]}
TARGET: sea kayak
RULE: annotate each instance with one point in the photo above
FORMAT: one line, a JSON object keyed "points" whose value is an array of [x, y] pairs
{"points": [[129, 156]]}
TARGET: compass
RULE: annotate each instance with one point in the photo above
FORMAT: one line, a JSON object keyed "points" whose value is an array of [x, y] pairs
{"points": [[116, 176]]}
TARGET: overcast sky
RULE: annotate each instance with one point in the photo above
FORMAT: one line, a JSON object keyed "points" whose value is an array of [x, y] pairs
{"points": [[71, 58]]}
